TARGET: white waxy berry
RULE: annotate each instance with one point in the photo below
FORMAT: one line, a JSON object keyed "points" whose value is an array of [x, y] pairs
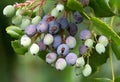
{"points": [[54, 12], [25, 41], [80, 62], [60, 64], [100, 48], [60, 7], [87, 70], [103, 40], [34, 49], [51, 57], [71, 41], [89, 43], [48, 39]]}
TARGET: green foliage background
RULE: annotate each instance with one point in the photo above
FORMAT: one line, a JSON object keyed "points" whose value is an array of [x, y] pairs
{"points": [[19, 68]]}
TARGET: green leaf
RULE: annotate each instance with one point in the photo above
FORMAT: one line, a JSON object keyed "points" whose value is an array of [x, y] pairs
{"points": [[106, 30], [101, 8], [14, 31], [18, 48], [49, 5], [117, 79], [42, 54], [115, 5], [97, 60], [115, 23], [102, 80], [77, 6], [116, 50]]}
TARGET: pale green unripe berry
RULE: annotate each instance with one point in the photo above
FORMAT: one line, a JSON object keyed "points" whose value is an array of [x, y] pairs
{"points": [[48, 39], [17, 20], [19, 12], [60, 64], [9, 11], [60, 7], [103, 40], [25, 41], [80, 62], [100, 48], [54, 12], [89, 43], [87, 70], [34, 49], [25, 23], [36, 20]]}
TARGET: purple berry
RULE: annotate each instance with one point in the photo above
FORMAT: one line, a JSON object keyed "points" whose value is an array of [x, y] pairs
{"points": [[57, 41], [84, 2], [42, 26], [72, 29], [60, 64], [63, 49], [85, 34], [71, 58], [31, 30], [83, 49], [41, 45], [51, 57], [77, 17], [53, 27], [45, 18], [63, 22]]}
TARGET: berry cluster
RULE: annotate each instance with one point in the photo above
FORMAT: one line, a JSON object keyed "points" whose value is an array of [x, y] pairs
{"points": [[89, 43], [52, 33], [55, 33]]}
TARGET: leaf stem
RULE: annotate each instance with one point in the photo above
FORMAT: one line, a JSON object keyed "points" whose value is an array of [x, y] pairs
{"points": [[111, 62]]}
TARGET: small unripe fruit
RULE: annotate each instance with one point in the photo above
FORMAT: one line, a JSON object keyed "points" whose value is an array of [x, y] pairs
{"points": [[25, 23], [17, 20], [100, 48], [87, 70], [9, 11], [51, 57], [48, 39], [71, 41], [54, 13], [25, 41], [60, 64], [71, 58], [89, 43], [103, 40], [60, 7], [36, 20], [34, 49], [80, 62], [85, 34]]}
